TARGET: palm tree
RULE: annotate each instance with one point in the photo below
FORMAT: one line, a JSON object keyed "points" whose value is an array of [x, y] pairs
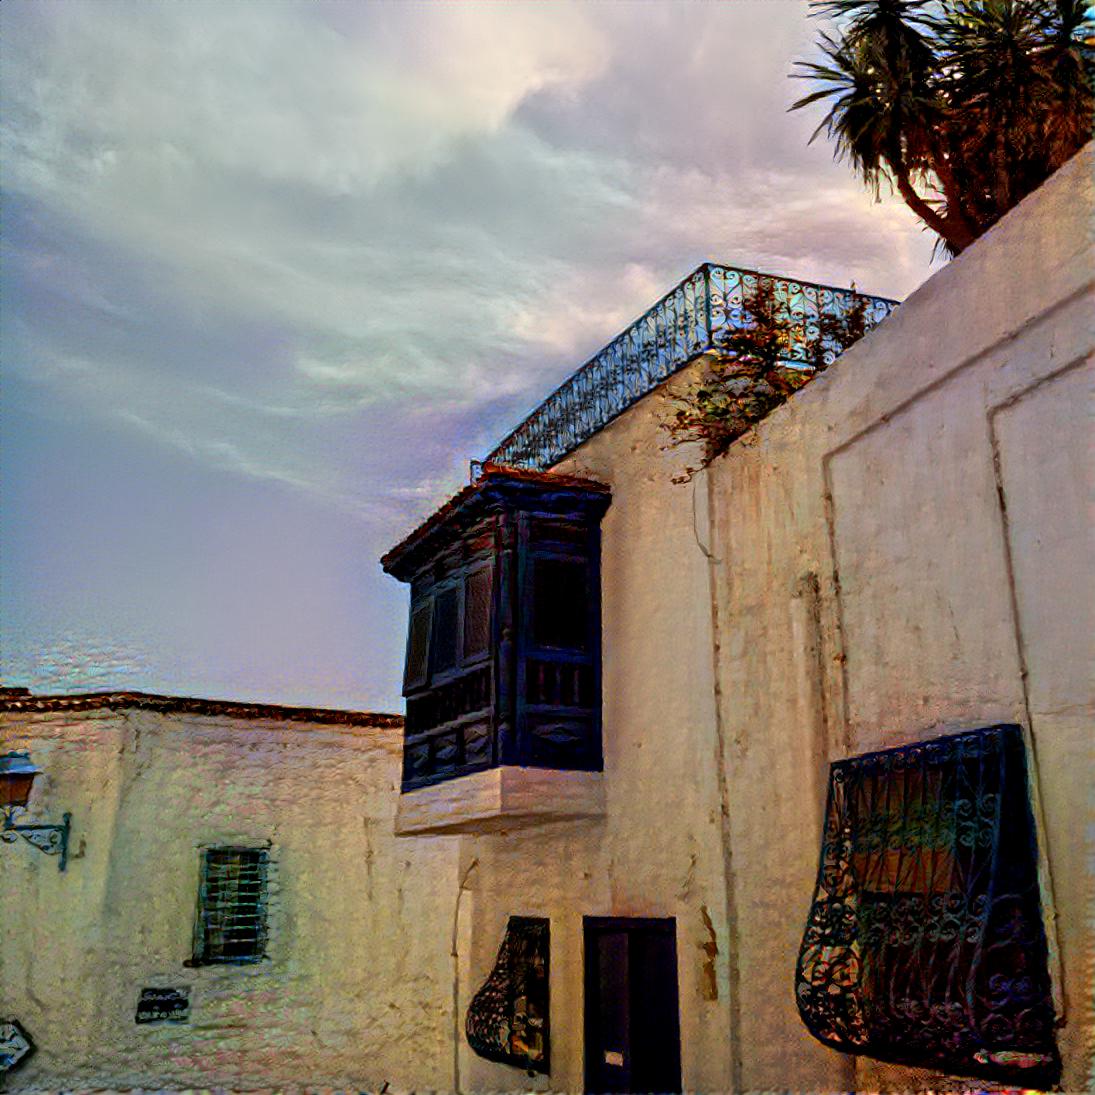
{"points": [[964, 106]]}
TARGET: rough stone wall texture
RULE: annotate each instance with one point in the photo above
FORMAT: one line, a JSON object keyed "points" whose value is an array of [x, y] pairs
{"points": [[657, 852], [903, 549], [938, 483], [356, 990]]}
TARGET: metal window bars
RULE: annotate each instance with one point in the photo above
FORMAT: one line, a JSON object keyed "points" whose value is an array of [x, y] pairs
{"points": [[925, 944], [507, 1020], [691, 319], [231, 925]]}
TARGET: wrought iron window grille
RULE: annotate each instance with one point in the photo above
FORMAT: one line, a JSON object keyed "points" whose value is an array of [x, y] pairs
{"points": [[231, 925], [507, 1020], [925, 945], [693, 318]]}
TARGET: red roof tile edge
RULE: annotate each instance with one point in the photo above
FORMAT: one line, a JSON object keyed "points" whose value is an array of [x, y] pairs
{"points": [[491, 472], [25, 703]]}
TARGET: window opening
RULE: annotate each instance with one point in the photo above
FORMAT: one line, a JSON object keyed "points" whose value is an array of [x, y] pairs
{"points": [[477, 614], [418, 645], [446, 616], [231, 924], [560, 602]]}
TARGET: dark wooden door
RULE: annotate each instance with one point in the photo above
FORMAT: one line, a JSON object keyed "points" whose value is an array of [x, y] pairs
{"points": [[632, 1021]]}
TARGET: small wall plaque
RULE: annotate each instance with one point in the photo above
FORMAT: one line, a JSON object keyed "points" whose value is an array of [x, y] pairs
{"points": [[15, 1044], [164, 1006]]}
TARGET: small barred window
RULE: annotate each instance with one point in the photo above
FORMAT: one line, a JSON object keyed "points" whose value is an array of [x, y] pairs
{"points": [[231, 926], [925, 944]]}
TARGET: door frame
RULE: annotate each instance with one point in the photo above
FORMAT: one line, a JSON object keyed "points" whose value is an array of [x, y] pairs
{"points": [[656, 925]]}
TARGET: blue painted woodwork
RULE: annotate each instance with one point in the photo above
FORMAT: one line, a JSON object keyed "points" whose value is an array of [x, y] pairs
{"points": [[530, 696]]}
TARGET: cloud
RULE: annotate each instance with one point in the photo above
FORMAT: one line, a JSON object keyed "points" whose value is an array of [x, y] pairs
{"points": [[273, 272], [277, 236], [83, 662]]}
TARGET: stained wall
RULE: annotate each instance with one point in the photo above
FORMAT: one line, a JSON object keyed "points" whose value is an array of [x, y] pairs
{"points": [[937, 487], [902, 550], [357, 986], [658, 850]]}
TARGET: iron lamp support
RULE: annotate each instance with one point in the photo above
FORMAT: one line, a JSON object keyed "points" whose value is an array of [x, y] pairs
{"points": [[51, 839]]}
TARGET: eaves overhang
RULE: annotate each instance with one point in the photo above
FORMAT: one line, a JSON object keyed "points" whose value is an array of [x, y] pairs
{"points": [[21, 701], [494, 490]]}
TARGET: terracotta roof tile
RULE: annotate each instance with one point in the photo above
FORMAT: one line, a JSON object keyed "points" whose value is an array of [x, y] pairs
{"points": [[490, 474], [21, 701]]}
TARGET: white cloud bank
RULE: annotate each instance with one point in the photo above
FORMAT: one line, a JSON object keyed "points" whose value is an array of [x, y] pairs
{"points": [[273, 235], [273, 271]]}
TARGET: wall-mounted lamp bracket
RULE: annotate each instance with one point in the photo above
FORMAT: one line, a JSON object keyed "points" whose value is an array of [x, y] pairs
{"points": [[51, 839]]}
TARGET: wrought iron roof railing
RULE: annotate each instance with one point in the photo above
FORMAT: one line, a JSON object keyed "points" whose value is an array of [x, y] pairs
{"points": [[688, 321]]}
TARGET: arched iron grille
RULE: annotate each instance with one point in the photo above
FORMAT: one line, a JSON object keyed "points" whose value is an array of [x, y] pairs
{"points": [[924, 944], [507, 1020]]}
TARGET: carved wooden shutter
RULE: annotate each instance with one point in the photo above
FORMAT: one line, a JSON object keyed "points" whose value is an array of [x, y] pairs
{"points": [[418, 645]]}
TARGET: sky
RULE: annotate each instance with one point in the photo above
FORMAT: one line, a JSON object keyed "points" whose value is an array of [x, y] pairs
{"points": [[273, 273]]}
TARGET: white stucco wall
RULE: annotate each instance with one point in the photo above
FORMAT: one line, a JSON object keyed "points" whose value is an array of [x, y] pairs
{"points": [[903, 549], [938, 482], [357, 988], [657, 853]]}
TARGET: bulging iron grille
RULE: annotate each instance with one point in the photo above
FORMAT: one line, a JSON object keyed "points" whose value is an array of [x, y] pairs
{"points": [[925, 944], [507, 1020]]}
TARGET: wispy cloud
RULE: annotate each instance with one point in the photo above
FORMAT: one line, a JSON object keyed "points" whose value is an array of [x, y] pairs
{"points": [[340, 248], [414, 204]]}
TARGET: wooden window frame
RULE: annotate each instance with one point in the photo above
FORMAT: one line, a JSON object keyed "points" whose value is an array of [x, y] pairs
{"points": [[423, 603], [427, 601]]}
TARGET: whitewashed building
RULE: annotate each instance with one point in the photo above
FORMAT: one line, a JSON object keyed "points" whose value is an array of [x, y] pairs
{"points": [[639, 713]]}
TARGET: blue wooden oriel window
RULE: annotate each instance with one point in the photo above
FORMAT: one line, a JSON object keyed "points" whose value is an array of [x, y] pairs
{"points": [[504, 645], [231, 921], [925, 943]]}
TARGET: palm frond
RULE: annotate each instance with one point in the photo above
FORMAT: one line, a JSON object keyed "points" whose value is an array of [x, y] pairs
{"points": [[965, 105]]}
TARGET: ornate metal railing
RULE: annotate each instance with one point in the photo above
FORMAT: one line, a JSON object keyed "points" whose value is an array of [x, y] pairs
{"points": [[688, 321]]}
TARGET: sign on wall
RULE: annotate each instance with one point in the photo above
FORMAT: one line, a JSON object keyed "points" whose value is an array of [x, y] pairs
{"points": [[15, 1045], [164, 1006]]}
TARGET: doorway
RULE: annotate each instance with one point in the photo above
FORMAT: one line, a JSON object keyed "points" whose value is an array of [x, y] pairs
{"points": [[632, 1018]]}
